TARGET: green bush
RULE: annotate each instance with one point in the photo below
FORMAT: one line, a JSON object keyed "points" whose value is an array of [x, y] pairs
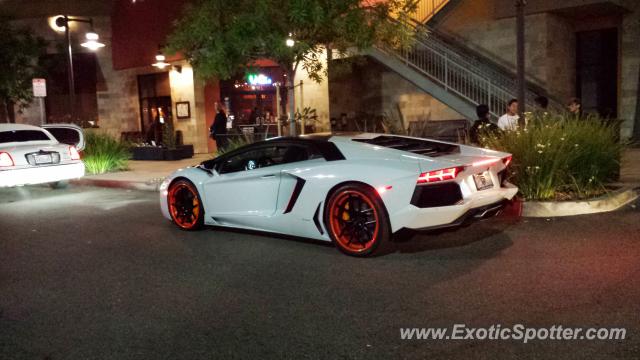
{"points": [[103, 153], [559, 156], [234, 143]]}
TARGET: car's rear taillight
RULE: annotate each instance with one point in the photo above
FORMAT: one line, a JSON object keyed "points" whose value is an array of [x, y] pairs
{"points": [[439, 175], [6, 159], [507, 160], [73, 152]]}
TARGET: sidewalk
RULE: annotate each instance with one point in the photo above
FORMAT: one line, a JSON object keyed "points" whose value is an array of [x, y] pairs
{"points": [[142, 175]]}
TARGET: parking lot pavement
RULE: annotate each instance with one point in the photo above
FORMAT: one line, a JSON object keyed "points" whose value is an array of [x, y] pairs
{"points": [[89, 273]]}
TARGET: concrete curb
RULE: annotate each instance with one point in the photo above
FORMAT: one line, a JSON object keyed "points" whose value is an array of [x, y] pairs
{"points": [[610, 202], [118, 184]]}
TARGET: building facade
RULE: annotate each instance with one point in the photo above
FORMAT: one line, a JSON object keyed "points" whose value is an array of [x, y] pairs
{"points": [[575, 48], [121, 92]]}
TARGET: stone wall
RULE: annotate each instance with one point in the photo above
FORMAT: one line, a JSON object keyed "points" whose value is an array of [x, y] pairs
{"points": [[117, 91], [473, 23], [550, 46], [372, 89], [183, 88], [629, 68], [313, 95]]}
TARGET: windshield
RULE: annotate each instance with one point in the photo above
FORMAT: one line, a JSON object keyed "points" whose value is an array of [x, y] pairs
{"points": [[22, 136]]}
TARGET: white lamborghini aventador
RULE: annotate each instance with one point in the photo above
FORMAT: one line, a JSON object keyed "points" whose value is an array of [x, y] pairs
{"points": [[354, 190]]}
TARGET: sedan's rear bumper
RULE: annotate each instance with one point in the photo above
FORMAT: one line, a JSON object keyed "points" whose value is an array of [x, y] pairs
{"points": [[41, 174], [445, 216]]}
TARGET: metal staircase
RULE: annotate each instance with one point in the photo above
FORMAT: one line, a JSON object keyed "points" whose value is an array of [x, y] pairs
{"points": [[451, 72]]}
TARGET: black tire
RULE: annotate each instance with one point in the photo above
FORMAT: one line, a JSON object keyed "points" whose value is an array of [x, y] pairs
{"points": [[357, 220], [59, 185], [185, 205]]}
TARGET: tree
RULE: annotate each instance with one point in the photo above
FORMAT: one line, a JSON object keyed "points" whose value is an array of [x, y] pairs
{"points": [[222, 38], [20, 53]]}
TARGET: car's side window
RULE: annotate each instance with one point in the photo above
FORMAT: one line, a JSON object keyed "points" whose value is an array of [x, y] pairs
{"points": [[253, 159], [268, 156], [297, 153]]}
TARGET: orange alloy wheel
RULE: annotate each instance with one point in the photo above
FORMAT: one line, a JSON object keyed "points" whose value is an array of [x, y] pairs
{"points": [[354, 221], [184, 205]]}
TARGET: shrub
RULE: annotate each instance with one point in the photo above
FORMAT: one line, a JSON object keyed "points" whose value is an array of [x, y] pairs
{"points": [[559, 156], [103, 153], [234, 143]]}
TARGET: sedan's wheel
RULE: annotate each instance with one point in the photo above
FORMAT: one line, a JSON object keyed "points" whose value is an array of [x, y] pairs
{"points": [[357, 220], [185, 205]]}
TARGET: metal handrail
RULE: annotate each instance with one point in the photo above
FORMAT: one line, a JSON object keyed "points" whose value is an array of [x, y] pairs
{"points": [[482, 65], [457, 73]]}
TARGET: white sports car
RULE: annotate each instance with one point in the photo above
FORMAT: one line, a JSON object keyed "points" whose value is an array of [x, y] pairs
{"points": [[355, 190], [37, 155]]}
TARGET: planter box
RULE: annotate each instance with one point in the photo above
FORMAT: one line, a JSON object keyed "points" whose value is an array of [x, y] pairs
{"points": [[147, 153], [186, 151], [160, 153]]}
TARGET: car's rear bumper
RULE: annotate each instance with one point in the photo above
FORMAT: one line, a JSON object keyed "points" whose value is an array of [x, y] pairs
{"points": [[473, 214], [445, 216], [41, 175]]}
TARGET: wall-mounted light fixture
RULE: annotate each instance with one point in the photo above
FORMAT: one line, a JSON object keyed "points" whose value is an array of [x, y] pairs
{"points": [[92, 42], [160, 61]]}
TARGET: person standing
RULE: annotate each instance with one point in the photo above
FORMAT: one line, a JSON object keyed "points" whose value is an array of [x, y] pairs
{"points": [[575, 107], [218, 129], [509, 121], [483, 125]]}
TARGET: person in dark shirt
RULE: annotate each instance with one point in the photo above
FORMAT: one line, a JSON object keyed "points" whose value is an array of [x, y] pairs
{"points": [[218, 129], [483, 125]]}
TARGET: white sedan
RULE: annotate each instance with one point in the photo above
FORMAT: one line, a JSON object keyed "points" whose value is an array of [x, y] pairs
{"points": [[37, 155], [354, 190]]}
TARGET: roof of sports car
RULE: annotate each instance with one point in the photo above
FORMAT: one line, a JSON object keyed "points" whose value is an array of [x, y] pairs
{"points": [[426, 147]]}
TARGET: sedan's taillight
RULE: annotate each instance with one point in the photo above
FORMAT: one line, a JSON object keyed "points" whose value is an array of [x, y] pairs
{"points": [[507, 160], [6, 159], [439, 175], [73, 152]]}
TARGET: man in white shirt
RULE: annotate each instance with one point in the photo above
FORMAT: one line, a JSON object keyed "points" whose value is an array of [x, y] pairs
{"points": [[509, 121]]}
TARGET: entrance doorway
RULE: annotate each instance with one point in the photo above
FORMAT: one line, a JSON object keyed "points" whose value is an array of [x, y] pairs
{"points": [[155, 105], [253, 100], [597, 71]]}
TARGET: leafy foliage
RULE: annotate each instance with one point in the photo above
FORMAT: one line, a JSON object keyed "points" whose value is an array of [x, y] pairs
{"points": [[20, 58], [235, 143], [103, 154], [168, 134], [223, 38], [560, 156]]}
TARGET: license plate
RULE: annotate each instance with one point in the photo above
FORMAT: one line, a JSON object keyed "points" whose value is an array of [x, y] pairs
{"points": [[43, 159], [483, 181]]}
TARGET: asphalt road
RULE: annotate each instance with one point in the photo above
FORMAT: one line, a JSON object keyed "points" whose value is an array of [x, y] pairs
{"points": [[90, 273]]}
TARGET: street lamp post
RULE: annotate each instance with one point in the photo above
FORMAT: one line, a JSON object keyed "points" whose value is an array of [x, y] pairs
{"points": [[91, 43]]}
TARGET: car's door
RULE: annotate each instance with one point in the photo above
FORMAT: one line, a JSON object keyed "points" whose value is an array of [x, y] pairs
{"points": [[297, 158], [69, 134], [246, 184]]}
